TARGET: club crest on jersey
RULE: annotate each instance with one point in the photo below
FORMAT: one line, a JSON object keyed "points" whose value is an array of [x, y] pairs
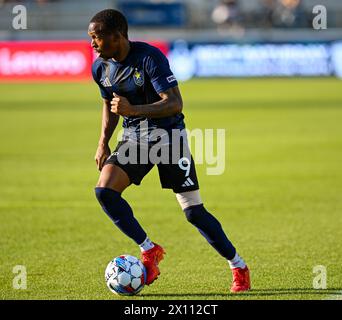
{"points": [[138, 77]]}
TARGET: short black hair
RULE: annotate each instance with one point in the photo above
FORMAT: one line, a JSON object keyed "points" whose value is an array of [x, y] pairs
{"points": [[112, 20]]}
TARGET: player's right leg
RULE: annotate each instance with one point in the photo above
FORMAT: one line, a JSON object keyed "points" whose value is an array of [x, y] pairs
{"points": [[112, 182]]}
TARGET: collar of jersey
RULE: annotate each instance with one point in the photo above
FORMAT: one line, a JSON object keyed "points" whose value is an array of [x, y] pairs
{"points": [[127, 57]]}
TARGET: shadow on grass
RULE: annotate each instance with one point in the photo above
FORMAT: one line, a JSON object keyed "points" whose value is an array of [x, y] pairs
{"points": [[252, 292]]}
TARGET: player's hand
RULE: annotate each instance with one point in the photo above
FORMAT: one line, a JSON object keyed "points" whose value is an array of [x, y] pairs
{"points": [[121, 106], [102, 153]]}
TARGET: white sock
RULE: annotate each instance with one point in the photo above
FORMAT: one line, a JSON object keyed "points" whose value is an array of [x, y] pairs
{"points": [[146, 245], [236, 262]]}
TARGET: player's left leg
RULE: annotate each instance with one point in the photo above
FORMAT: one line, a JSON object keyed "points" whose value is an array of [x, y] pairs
{"points": [[212, 231], [180, 176]]}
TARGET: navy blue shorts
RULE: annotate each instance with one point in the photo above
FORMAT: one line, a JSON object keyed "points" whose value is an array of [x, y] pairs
{"points": [[178, 174]]}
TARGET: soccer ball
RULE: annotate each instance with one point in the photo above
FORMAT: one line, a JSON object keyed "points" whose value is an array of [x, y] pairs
{"points": [[125, 275]]}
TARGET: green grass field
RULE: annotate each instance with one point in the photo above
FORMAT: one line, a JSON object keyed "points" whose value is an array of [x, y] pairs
{"points": [[279, 200]]}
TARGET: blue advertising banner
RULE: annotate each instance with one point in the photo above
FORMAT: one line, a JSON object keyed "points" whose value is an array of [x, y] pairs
{"points": [[255, 60]]}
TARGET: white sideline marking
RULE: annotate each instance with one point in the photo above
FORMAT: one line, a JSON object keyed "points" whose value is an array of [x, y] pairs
{"points": [[336, 296]]}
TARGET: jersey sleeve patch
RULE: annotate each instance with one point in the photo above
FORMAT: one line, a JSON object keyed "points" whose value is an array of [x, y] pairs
{"points": [[171, 79]]}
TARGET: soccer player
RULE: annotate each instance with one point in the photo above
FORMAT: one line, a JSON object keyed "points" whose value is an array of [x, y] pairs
{"points": [[136, 83]]}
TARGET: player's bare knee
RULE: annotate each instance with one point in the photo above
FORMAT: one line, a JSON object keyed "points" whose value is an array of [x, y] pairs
{"points": [[103, 184], [114, 187], [113, 179]]}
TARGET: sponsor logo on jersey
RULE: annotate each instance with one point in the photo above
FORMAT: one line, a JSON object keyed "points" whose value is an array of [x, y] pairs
{"points": [[106, 82], [171, 79], [188, 182], [138, 77]]}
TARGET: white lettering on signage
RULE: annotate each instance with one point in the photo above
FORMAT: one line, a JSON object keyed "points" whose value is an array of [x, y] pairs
{"points": [[41, 62]]}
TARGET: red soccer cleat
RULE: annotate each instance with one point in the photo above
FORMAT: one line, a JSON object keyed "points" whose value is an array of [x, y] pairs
{"points": [[151, 259], [241, 280]]}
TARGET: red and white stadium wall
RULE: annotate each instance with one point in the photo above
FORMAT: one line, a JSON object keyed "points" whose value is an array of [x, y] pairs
{"points": [[45, 60]]}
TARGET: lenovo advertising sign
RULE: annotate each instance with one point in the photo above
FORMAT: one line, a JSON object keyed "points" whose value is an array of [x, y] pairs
{"points": [[50, 60], [45, 60]]}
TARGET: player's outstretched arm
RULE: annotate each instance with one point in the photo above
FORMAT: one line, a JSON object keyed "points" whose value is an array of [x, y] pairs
{"points": [[109, 123], [170, 104]]}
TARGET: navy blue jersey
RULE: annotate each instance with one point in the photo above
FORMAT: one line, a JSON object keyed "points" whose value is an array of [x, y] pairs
{"points": [[143, 74]]}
